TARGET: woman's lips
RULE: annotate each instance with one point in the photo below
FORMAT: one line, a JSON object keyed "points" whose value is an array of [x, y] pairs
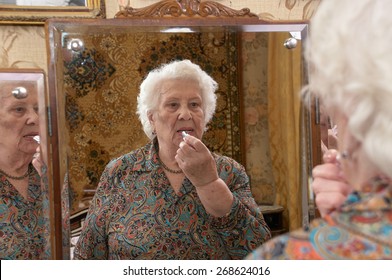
{"points": [[33, 137]]}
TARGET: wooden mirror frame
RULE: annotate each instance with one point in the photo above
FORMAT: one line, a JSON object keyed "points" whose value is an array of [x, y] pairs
{"points": [[161, 16], [36, 15]]}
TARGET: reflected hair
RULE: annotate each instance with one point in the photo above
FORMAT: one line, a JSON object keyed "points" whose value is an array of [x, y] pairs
{"points": [[150, 90], [349, 55]]}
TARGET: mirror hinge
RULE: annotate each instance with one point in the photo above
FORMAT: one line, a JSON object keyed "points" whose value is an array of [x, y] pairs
{"points": [[49, 122], [317, 110]]}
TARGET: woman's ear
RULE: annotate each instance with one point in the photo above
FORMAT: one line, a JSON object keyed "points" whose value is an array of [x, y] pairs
{"points": [[150, 117]]}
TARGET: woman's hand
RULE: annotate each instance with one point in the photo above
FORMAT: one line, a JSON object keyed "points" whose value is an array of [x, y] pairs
{"points": [[199, 167], [329, 185], [37, 161], [198, 164]]}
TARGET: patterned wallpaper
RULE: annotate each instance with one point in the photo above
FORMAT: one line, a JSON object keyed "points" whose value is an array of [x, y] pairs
{"points": [[23, 46]]}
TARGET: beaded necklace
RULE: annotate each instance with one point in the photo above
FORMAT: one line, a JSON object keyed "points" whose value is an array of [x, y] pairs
{"points": [[167, 168], [15, 177]]}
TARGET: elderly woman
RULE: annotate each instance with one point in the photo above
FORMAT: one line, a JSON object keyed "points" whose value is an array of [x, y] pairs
{"points": [[23, 226], [173, 198], [351, 58]]}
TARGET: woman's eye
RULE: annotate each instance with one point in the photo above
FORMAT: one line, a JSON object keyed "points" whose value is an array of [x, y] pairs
{"points": [[195, 104], [19, 109], [172, 105]]}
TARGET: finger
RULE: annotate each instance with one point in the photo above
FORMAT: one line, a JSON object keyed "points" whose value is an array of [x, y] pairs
{"points": [[37, 165], [329, 202], [188, 140], [184, 152], [321, 185], [328, 171], [332, 141], [195, 143], [182, 145], [330, 156], [179, 160], [324, 149], [185, 149]]}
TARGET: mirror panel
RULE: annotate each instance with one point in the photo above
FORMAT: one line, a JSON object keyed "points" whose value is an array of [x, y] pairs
{"points": [[38, 216], [96, 67]]}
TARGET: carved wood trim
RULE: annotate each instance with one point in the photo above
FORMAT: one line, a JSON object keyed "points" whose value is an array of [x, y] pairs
{"points": [[185, 8]]}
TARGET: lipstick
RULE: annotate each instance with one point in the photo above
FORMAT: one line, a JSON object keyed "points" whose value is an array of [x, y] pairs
{"points": [[184, 134], [37, 139]]}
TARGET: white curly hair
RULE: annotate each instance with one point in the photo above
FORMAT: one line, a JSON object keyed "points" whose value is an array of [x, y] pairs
{"points": [[350, 60], [150, 90]]}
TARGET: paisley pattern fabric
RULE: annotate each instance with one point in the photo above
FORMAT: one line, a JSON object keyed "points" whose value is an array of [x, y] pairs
{"points": [[24, 223], [361, 229], [135, 214]]}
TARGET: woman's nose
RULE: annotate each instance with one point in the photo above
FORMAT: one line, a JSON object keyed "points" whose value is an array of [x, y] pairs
{"points": [[33, 117], [185, 113]]}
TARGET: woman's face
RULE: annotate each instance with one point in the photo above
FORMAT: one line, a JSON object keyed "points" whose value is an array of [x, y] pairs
{"points": [[18, 122], [179, 109]]}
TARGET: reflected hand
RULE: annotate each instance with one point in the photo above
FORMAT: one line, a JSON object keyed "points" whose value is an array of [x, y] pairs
{"points": [[324, 148], [198, 164], [329, 184], [37, 161], [332, 138]]}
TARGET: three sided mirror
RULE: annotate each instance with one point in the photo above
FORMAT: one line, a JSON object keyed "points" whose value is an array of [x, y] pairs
{"points": [[97, 65]]}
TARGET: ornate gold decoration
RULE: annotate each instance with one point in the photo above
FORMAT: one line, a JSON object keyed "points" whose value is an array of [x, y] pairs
{"points": [[187, 8]]}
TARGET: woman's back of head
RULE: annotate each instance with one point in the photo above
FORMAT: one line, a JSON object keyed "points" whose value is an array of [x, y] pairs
{"points": [[350, 57]]}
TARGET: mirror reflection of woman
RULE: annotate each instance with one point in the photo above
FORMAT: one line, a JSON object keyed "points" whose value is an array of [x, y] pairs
{"points": [[23, 227], [351, 74], [173, 198], [328, 132]]}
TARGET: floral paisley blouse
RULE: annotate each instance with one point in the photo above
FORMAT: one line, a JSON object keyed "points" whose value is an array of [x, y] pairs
{"points": [[361, 229], [135, 214], [24, 223]]}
